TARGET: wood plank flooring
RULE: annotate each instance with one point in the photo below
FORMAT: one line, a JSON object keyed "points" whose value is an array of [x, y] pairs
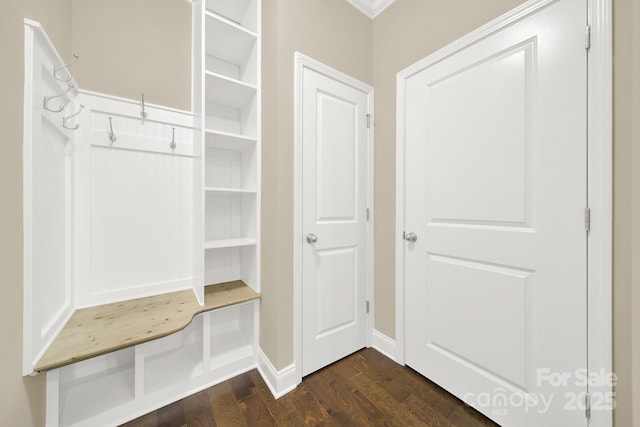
{"points": [[364, 389]]}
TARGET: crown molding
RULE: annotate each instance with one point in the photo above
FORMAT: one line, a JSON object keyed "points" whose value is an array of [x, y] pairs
{"points": [[371, 8]]}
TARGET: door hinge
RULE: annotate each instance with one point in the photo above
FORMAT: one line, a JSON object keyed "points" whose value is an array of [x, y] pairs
{"points": [[587, 219], [587, 405], [369, 117], [367, 214], [587, 38], [367, 307]]}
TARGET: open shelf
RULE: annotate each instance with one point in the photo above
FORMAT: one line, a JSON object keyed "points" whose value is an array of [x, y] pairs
{"points": [[228, 92], [95, 386], [228, 141], [107, 328], [241, 12], [223, 190], [230, 49], [228, 243]]}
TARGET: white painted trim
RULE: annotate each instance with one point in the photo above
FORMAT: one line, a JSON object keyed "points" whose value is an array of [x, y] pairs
{"points": [[279, 382], [371, 297], [27, 207], [384, 344], [128, 101], [371, 8], [300, 63], [600, 178], [400, 202], [600, 197]]}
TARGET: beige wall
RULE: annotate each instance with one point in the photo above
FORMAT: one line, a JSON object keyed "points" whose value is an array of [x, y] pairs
{"points": [[626, 206], [21, 399], [131, 47], [336, 34]]}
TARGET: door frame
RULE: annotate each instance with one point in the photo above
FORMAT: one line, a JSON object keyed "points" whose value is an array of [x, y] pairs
{"points": [[301, 62], [599, 181]]}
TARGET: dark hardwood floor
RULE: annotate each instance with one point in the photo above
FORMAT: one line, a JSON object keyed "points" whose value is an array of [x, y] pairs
{"points": [[364, 389]]}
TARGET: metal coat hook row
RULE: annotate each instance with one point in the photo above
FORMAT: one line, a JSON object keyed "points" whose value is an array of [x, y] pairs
{"points": [[173, 144], [65, 119], [143, 112], [112, 136], [62, 67], [47, 99]]}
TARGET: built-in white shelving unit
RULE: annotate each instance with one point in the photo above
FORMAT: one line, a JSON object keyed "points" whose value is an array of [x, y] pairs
{"points": [[119, 386], [227, 96], [208, 161]]}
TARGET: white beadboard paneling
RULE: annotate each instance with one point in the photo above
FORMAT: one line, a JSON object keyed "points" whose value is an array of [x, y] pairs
{"points": [[141, 218], [135, 201]]}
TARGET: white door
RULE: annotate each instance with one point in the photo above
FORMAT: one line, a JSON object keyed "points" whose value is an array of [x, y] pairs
{"points": [[334, 185], [495, 284]]}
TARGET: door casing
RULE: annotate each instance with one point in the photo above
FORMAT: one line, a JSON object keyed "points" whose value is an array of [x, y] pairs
{"points": [[599, 191], [301, 62]]}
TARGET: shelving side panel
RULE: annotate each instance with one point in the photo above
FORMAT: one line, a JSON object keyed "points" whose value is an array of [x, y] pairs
{"points": [[48, 198], [198, 108]]}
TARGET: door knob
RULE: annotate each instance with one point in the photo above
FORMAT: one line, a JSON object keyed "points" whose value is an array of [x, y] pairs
{"points": [[311, 238], [411, 237]]}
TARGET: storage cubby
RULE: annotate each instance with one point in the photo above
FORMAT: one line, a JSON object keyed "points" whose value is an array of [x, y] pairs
{"points": [[230, 216], [174, 359], [231, 50], [233, 262], [231, 334], [95, 386], [231, 118], [231, 169], [228, 89]]}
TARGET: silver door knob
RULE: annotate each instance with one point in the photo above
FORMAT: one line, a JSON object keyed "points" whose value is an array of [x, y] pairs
{"points": [[411, 237], [311, 238]]}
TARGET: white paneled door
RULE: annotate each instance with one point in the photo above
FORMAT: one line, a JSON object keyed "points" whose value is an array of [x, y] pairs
{"points": [[495, 250], [334, 215]]}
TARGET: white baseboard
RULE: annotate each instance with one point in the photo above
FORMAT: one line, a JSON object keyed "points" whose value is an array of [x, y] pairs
{"points": [[384, 344], [279, 382]]}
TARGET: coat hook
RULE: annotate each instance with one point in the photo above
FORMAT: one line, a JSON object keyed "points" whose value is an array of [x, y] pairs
{"points": [[45, 102], [65, 119], [69, 76], [173, 140], [143, 112], [112, 136]]}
